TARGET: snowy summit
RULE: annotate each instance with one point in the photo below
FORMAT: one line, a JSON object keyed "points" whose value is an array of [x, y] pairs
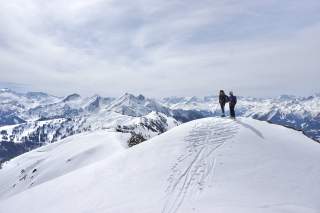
{"points": [[207, 165], [159, 106]]}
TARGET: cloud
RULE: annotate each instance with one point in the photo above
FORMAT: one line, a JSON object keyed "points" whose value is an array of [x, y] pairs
{"points": [[161, 48]]}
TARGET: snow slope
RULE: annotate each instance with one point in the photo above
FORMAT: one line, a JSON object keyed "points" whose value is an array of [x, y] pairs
{"points": [[51, 161], [208, 165], [300, 113]]}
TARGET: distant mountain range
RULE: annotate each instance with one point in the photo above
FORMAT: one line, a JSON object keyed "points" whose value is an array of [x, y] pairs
{"points": [[29, 120], [299, 113]]}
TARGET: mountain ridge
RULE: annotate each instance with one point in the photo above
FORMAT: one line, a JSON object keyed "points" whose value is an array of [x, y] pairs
{"points": [[211, 164], [33, 119]]}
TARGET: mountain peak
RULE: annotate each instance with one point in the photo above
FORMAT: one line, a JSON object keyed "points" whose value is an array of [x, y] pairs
{"points": [[36, 95], [93, 103], [131, 105], [72, 97], [130, 98], [127, 96]]}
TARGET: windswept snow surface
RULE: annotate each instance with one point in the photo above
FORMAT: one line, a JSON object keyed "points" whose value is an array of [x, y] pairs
{"points": [[51, 161], [208, 165]]}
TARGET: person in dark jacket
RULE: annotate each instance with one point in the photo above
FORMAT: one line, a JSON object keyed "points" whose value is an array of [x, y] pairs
{"points": [[232, 104], [223, 99]]}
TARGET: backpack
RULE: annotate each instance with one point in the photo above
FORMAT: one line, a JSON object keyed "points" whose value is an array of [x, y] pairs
{"points": [[226, 98]]}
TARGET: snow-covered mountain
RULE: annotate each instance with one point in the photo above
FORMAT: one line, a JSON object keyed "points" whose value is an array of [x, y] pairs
{"points": [[16, 104], [29, 120], [131, 105], [47, 123], [208, 165], [299, 113]]}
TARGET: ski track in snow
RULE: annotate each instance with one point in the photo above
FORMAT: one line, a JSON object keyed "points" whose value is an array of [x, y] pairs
{"points": [[195, 167]]}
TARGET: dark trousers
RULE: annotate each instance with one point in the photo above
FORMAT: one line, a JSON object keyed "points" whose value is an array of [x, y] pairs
{"points": [[222, 107], [232, 112]]}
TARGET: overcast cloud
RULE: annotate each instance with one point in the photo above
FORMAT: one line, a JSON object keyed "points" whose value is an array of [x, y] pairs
{"points": [[161, 48]]}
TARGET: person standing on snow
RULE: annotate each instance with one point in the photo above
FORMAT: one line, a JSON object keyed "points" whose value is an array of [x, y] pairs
{"points": [[232, 104], [223, 99]]}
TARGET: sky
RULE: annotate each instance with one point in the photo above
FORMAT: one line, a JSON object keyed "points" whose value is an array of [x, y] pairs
{"points": [[161, 47]]}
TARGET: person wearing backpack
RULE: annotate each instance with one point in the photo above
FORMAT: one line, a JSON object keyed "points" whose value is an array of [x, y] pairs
{"points": [[232, 104], [223, 99]]}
